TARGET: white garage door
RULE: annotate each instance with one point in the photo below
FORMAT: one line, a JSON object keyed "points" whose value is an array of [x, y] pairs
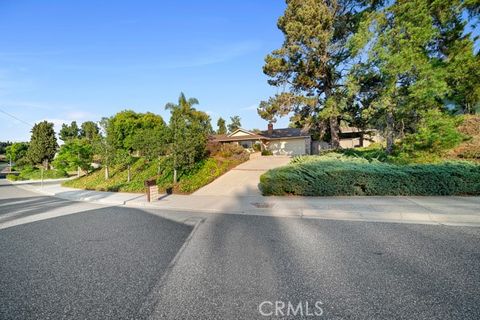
{"points": [[289, 147]]}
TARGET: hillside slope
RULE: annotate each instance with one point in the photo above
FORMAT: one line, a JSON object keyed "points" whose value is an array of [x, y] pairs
{"points": [[203, 173], [470, 149]]}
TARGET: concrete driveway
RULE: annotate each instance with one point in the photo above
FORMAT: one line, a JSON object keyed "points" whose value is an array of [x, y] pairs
{"points": [[243, 180]]}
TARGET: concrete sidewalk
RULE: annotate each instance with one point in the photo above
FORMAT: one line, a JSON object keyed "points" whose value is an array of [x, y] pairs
{"points": [[425, 210]]}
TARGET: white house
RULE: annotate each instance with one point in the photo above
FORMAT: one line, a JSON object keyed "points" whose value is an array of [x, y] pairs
{"points": [[287, 141]]}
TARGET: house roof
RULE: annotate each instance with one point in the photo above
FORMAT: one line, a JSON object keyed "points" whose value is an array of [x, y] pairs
{"points": [[285, 133], [226, 138]]}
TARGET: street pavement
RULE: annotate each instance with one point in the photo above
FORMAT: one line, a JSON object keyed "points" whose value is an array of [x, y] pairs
{"points": [[356, 270], [91, 263], [107, 262]]}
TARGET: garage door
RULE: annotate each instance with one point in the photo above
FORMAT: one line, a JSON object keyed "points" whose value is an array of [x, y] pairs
{"points": [[289, 147]]}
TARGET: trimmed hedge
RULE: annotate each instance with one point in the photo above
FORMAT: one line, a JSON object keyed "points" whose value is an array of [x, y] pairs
{"points": [[341, 176]]}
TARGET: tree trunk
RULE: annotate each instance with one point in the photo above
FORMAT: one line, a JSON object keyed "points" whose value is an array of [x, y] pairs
{"points": [[362, 138], [107, 175], [334, 132], [390, 132], [78, 172], [128, 174], [174, 175]]}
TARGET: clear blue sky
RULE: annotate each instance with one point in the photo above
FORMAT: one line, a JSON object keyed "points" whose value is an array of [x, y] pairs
{"points": [[82, 60]]}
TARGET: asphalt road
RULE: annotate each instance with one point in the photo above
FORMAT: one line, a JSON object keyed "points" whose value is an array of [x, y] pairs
{"points": [[112, 263], [97, 263]]}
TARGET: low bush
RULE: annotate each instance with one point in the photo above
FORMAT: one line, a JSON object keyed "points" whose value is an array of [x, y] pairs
{"points": [[13, 177], [267, 152], [343, 176], [32, 173], [204, 173], [232, 151]]}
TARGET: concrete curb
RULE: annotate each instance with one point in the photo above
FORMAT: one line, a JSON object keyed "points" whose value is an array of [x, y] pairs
{"points": [[45, 181], [415, 217]]}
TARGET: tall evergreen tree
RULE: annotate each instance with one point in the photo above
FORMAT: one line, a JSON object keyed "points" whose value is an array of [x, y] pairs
{"points": [[68, 132], [420, 59], [43, 144], [312, 63]]}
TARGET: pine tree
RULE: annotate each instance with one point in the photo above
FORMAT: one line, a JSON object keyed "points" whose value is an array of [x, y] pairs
{"points": [[312, 63]]}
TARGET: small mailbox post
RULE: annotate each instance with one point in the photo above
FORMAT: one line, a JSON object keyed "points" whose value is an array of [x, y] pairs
{"points": [[151, 189]]}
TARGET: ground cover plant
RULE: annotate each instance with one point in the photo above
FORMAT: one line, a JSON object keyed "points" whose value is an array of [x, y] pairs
{"points": [[336, 174], [202, 173], [33, 173]]}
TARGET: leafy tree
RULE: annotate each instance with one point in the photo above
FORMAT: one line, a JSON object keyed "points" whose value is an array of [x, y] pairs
{"points": [[235, 123], [124, 158], [16, 151], [75, 154], [104, 149], [123, 126], [151, 142], [68, 132], [43, 144], [454, 47], [4, 145], [189, 130], [423, 59], [313, 62], [222, 129], [89, 130]]}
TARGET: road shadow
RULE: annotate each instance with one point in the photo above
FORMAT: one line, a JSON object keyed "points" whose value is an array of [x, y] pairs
{"points": [[94, 264]]}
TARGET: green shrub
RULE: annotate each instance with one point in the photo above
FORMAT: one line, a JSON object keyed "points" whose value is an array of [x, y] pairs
{"points": [[436, 133], [205, 172], [341, 176], [31, 173], [13, 177], [267, 152], [231, 150]]}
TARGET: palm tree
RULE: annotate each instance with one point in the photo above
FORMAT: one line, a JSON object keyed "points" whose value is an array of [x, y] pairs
{"points": [[183, 103], [184, 106]]}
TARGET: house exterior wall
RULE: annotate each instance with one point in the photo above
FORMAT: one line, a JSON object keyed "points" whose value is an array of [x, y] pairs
{"points": [[350, 143], [289, 147], [318, 146]]}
